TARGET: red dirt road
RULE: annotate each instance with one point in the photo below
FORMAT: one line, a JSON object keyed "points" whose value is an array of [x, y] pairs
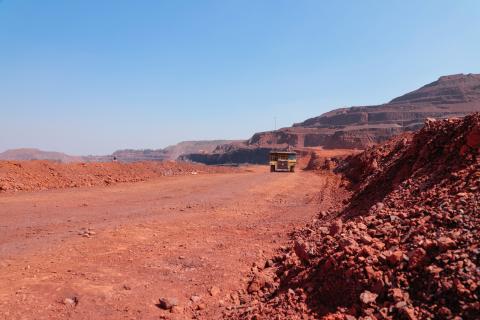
{"points": [[173, 237]]}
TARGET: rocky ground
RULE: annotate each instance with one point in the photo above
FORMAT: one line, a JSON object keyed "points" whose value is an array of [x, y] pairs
{"points": [[43, 175], [406, 245]]}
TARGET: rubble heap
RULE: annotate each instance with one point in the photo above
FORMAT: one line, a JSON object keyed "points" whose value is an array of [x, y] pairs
{"points": [[407, 245]]}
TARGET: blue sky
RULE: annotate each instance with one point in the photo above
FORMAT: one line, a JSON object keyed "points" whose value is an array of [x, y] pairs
{"points": [[90, 77]]}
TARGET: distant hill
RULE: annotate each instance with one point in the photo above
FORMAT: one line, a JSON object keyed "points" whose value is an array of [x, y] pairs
{"points": [[128, 155], [36, 154], [362, 126]]}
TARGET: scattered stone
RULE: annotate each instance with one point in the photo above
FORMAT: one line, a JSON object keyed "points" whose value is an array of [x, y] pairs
{"points": [[417, 257], [336, 227], [409, 313], [87, 232], [301, 250], [167, 303], [269, 263], [254, 286], [445, 243], [366, 239], [214, 290], [395, 257], [73, 301], [398, 295], [368, 297]]}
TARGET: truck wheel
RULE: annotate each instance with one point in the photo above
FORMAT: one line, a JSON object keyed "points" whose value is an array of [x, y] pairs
{"points": [[272, 168]]}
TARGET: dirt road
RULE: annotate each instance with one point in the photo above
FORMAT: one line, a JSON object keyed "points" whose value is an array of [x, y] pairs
{"points": [[112, 252]]}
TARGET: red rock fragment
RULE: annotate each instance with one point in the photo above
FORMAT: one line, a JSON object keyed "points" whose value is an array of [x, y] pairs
{"points": [[445, 243], [409, 313], [416, 257], [368, 297], [336, 227], [399, 295], [367, 251], [301, 250], [395, 257]]}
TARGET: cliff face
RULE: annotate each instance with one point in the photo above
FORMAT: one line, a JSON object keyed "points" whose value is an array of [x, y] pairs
{"points": [[449, 96], [236, 156], [364, 126]]}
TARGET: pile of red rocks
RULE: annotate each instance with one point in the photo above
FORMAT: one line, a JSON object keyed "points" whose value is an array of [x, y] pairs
{"points": [[406, 247]]}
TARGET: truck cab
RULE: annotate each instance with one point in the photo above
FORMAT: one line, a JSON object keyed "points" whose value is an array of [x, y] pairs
{"points": [[283, 161]]}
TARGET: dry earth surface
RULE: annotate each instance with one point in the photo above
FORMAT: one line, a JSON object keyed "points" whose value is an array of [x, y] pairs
{"points": [[111, 252]]}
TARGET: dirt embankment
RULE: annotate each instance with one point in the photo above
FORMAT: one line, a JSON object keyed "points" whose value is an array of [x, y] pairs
{"points": [[42, 175], [405, 247]]}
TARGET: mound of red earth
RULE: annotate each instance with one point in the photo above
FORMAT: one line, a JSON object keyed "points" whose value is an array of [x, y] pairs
{"points": [[407, 246], [42, 175]]}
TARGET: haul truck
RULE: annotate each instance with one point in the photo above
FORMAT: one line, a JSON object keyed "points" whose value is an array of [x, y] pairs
{"points": [[283, 161]]}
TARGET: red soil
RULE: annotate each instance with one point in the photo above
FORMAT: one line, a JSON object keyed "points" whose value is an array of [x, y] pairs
{"points": [[112, 252]]}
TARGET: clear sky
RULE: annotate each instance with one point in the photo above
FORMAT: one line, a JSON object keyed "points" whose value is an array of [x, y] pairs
{"points": [[93, 76]]}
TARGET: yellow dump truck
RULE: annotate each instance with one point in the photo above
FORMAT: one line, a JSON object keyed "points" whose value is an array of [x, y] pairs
{"points": [[283, 161]]}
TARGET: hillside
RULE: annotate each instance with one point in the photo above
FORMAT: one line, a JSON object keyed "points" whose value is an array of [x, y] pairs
{"points": [[363, 126]]}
